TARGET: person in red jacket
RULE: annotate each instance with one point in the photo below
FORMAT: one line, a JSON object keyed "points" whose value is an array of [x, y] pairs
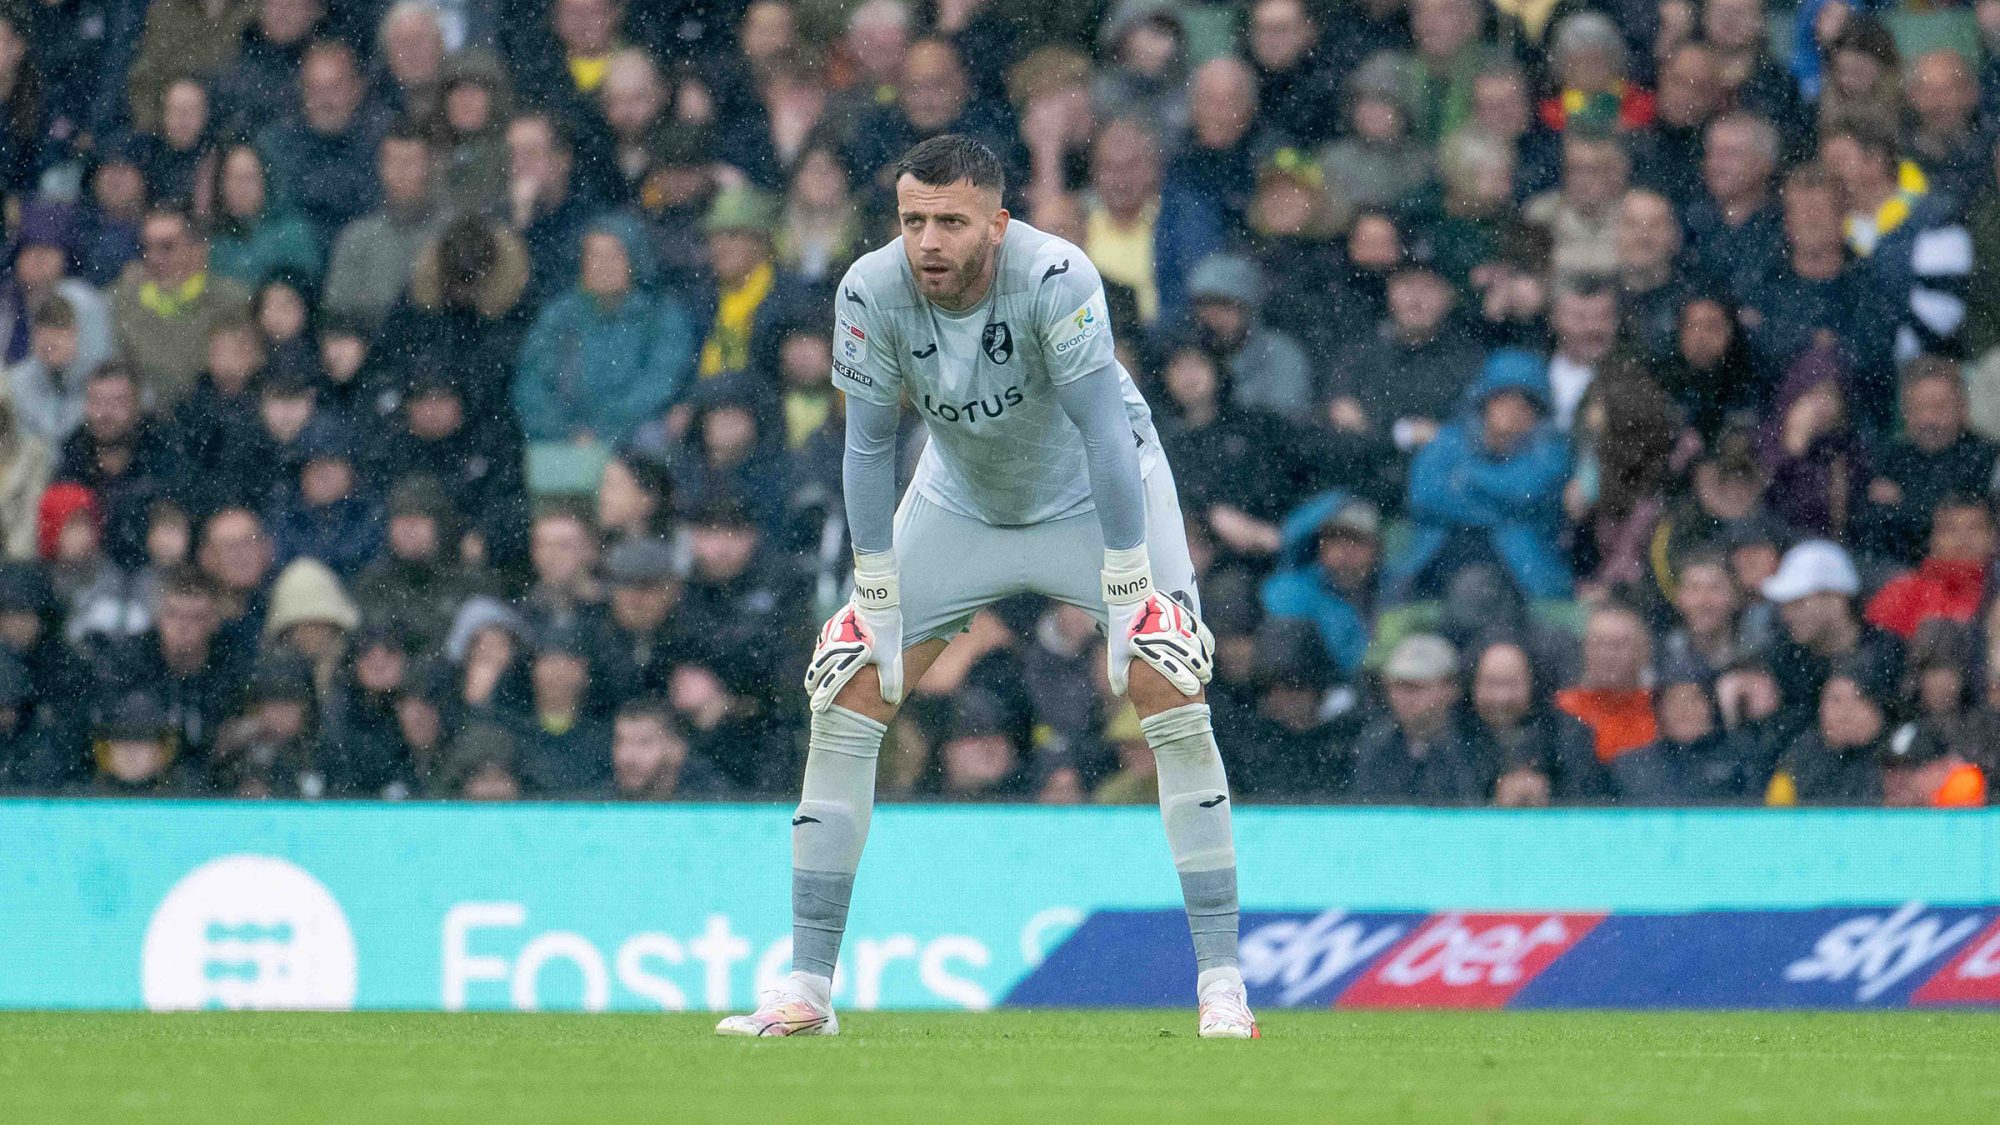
{"points": [[1951, 581]]}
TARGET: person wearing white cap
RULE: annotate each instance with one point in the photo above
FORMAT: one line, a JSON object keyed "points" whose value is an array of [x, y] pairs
{"points": [[1815, 589], [1420, 754]]}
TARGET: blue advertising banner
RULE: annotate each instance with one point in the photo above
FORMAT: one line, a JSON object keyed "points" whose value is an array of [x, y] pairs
{"points": [[110, 904]]}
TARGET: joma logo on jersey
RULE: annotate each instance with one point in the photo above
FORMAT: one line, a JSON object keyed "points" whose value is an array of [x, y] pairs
{"points": [[992, 406]]}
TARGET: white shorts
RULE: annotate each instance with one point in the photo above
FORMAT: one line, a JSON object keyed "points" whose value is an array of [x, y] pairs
{"points": [[952, 566]]}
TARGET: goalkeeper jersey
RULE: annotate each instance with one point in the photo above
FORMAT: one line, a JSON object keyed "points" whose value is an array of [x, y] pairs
{"points": [[1001, 450]]}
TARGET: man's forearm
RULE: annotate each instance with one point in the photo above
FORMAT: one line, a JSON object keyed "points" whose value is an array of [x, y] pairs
{"points": [[868, 471], [1096, 404]]}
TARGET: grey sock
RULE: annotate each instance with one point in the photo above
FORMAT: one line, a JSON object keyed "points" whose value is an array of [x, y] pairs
{"points": [[828, 831], [1194, 803]]}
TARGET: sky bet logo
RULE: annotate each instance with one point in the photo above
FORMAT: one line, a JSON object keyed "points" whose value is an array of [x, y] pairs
{"points": [[992, 406]]}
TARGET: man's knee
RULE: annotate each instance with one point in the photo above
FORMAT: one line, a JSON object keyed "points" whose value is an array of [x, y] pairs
{"points": [[1151, 692], [863, 696]]}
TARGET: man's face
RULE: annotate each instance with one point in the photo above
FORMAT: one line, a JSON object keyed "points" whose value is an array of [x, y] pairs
{"points": [[406, 171], [950, 232], [1422, 705], [1648, 234], [1125, 169], [1813, 217], [1706, 598], [55, 347], [1441, 27], [1419, 300], [1942, 92], [413, 47], [39, 266], [1500, 105], [186, 622], [413, 537], [607, 270], [735, 254], [1688, 89], [134, 760], [1733, 25], [1616, 651], [721, 552], [1594, 173], [560, 550], [111, 408], [163, 242], [1228, 320], [1348, 558], [587, 27], [288, 21], [769, 26], [235, 551], [632, 99], [234, 356], [284, 414], [642, 751], [1503, 687], [975, 764], [1847, 717], [1280, 34], [1815, 619], [1508, 418], [1934, 413], [184, 114], [532, 154], [436, 415], [1223, 104], [934, 87], [559, 678], [1733, 163], [1962, 533], [380, 667], [325, 480], [1586, 326], [330, 91], [1684, 713], [643, 607]]}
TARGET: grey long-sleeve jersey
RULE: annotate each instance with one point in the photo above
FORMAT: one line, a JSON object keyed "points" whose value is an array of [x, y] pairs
{"points": [[1031, 417]]}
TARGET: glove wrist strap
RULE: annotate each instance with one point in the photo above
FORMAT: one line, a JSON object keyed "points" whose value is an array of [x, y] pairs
{"points": [[1127, 576]]}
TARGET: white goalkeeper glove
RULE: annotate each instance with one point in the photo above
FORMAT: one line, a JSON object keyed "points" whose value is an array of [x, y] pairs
{"points": [[867, 630], [1151, 626]]}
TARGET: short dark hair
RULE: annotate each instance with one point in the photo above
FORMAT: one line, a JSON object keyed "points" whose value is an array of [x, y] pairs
{"points": [[650, 707], [950, 158]]}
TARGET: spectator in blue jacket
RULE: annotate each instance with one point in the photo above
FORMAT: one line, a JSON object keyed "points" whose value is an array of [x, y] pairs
{"points": [[1329, 554], [1489, 487], [329, 516], [1140, 233], [609, 355]]}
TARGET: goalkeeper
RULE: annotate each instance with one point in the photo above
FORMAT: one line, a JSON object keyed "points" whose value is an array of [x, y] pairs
{"points": [[1043, 474]]}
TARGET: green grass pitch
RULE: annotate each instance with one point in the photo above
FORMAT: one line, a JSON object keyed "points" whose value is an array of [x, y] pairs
{"points": [[1042, 1068]]}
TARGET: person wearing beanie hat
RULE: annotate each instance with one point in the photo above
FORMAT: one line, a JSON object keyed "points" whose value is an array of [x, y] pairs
{"points": [[135, 749], [566, 746], [1268, 369], [311, 615], [328, 517], [642, 635], [1330, 552], [1840, 761], [745, 295], [483, 764], [417, 581], [271, 748]]}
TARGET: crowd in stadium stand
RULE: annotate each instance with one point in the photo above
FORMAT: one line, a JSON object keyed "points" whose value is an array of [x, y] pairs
{"points": [[1587, 401]]}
